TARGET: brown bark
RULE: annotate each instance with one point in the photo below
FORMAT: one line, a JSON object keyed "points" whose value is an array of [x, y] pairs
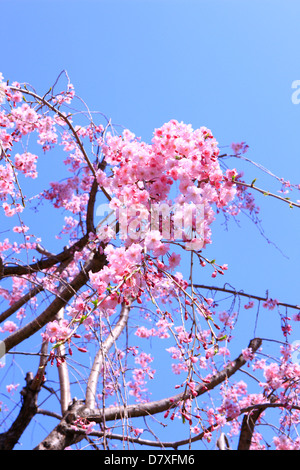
{"points": [[29, 407], [247, 428], [62, 435], [44, 263], [95, 264], [158, 406]]}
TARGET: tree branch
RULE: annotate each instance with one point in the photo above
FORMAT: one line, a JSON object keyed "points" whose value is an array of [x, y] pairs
{"points": [[222, 442], [90, 208], [94, 264], [29, 407], [267, 193], [63, 374], [45, 263], [35, 290], [158, 406], [42, 100], [243, 294], [247, 428], [63, 435], [101, 356], [19, 303]]}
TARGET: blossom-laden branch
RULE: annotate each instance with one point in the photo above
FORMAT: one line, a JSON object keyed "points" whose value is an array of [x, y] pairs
{"points": [[45, 263], [268, 193], [94, 264], [29, 405], [222, 443], [95, 279], [66, 119], [61, 436], [241, 293], [159, 406], [239, 150]]}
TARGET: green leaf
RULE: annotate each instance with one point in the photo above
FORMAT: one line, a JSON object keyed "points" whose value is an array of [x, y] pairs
{"points": [[84, 317], [222, 338]]}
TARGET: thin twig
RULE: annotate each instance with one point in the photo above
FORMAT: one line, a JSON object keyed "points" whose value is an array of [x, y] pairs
{"points": [[267, 193], [40, 99], [244, 294]]}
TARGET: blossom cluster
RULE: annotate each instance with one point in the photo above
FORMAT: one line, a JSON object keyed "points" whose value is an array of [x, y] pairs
{"points": [[145, 173], [57, 331], [178, 174]]}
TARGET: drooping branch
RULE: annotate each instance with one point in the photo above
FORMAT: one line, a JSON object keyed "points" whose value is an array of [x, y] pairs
{"points": [[35, 290], [19, 303], [267, 193], [95, 263], [243, 294], [260, 190], [29, 406], [158, 406], [45, 263], [63, 434], [43, 101]]}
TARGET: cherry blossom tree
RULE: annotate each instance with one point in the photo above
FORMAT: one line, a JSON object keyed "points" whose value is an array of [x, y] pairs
{"points": [[90, 310]]}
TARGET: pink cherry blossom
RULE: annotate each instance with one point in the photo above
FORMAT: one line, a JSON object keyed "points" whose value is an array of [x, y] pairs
{"points": [[56, 331], [125, 290], [270, 304], [8, 326], [26, 163], [250, 304], [11, 388]]}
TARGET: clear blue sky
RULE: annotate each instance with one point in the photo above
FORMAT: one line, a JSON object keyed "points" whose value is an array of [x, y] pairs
{"points": [[228, 65]]}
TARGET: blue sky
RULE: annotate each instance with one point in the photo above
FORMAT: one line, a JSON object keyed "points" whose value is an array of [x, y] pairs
{"points": [[227, 65]]}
